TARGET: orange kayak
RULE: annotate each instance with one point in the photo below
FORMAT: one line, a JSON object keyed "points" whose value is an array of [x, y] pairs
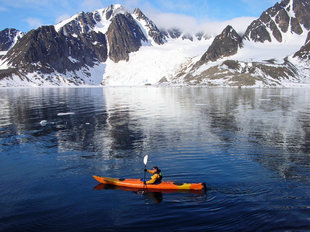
{"points": [[138, 184]]}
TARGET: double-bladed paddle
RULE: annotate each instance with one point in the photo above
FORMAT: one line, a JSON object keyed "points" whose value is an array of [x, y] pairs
{"points": [[145, 162]]}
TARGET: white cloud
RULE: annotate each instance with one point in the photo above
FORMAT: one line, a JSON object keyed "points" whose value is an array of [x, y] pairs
{"points": [[3, 8], [169, 20], [191, 25], [215, 28], [34, 22]]}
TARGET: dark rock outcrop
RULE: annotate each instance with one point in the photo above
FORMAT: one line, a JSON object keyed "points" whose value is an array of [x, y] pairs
{"points": [[238, 73], [8, 37], [76, 44], [124, 36], [174, 33], [304, 52], [83, 23], [278, 19], [153, 31], [225, 44], [302, 12], [187, 36], [47, 51], [201, 35]]}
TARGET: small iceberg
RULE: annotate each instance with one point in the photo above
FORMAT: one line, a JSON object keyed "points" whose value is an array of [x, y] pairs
{"points": [[67, 113], [43, 123]]}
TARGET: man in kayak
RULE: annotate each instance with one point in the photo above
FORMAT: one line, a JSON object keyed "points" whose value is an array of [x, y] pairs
{"points": [[157, 175]]}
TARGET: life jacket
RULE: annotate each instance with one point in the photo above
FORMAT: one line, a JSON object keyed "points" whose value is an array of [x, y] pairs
{"points": [[160, 177]]}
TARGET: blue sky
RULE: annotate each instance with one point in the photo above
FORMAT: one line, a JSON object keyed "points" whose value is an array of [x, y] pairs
{"points": [[30, 14]]}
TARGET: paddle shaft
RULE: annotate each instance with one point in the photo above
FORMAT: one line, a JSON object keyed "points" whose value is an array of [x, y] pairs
{"points": [[144, 174], [145, 162]]}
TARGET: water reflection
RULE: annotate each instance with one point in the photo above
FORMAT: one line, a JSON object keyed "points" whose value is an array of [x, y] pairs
{"points": [[124, 131], [121, 121], [251, 146], [156, 196]]}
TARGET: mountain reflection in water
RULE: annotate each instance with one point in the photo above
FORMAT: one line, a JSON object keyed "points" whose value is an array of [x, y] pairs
{"points": [[250, 146]]}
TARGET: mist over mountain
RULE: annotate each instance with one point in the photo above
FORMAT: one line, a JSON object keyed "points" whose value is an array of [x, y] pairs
{"points": [[112, 46]]}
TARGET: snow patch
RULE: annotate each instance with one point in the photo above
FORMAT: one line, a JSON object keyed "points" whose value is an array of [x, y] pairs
{"points": [[3, 53], [151, 63], [66, 21], [252, 51], [86, 76], [73, 60]]}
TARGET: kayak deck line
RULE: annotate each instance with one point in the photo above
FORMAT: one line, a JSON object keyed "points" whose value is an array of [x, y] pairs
{"points": [[137, 183]]}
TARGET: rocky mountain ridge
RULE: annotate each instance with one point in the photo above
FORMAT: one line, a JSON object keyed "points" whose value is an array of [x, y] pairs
{"points": [[225, 44], [304, 52], [279, 25], [82, 48], [8, 37], [287, 17]]}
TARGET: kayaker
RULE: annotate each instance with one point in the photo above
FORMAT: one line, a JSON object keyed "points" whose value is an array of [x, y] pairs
{"points": [[156, 175]]}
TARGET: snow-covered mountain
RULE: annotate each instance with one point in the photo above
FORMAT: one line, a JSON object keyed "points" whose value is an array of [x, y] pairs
{"points": [[113, 46], [274, 51], [8, 38], [281, 22]]}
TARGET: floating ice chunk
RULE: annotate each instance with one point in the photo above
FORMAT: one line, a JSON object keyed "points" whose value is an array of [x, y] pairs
{"points": [[67, 113], [43, 123]]}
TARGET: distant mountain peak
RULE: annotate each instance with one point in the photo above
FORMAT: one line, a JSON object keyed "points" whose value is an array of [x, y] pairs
{"points": [[84, 22], [8, 38], [124, 36], [225, 44], [156, 35], [284, 18], [113, 10]]}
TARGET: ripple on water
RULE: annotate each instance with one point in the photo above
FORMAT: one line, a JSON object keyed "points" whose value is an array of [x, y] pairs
{"points": [[249, 146]]}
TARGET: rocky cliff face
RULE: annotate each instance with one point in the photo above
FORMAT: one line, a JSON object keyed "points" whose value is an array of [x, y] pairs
{"points": [[304, 52], [46, 50], [289, 16], [225, 44], [153, 31], [83, 23], [8, 37], [98, 20], [124, 36], [82, 41]]}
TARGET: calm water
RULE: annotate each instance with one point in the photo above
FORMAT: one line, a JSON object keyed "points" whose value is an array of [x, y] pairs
{"points": [[251, 147]]}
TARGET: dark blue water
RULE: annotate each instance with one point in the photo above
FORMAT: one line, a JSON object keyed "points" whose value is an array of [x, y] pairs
{"points": [[251, 147]]}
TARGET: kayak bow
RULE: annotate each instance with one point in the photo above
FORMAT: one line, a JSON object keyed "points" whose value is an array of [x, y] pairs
{"points": [[138, 184]]}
